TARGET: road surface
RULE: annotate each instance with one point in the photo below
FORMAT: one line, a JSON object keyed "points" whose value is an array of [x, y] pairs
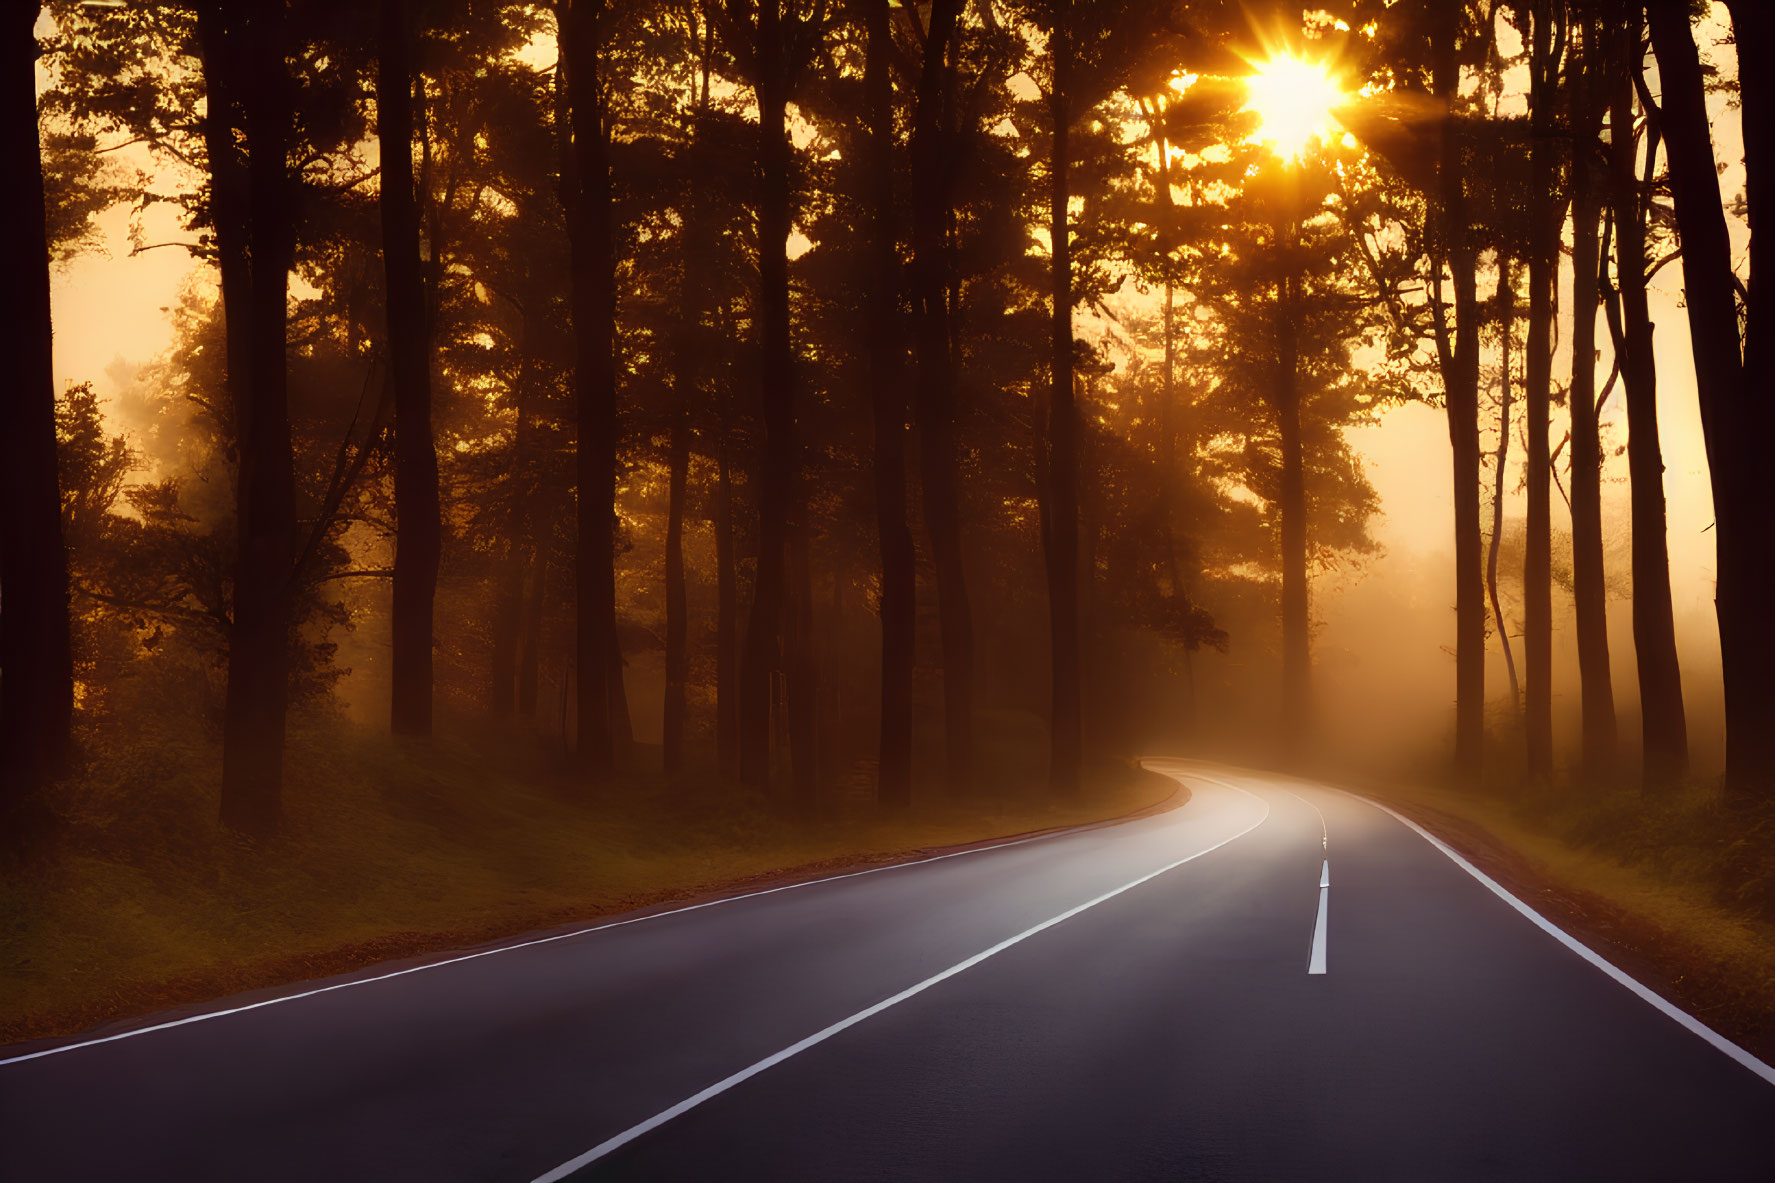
{"points": [[1271, 982]]}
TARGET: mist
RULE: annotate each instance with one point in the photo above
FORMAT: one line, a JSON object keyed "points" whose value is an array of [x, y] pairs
{"points": [[513, 513]]}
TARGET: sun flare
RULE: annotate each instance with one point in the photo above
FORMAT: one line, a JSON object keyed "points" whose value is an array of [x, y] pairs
{"points": [[1293, 99]]}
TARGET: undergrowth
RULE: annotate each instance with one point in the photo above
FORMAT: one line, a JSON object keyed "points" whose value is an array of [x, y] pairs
{"points": [[1686, 835], [138, 899]]}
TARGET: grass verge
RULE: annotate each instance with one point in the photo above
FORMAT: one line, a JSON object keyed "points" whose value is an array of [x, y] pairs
{"points": [[139, 901]]}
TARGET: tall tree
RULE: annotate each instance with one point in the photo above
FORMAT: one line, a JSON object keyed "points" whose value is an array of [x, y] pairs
{"points": [[1427, 132], [686, 378], [1168, 419], [933, 176], [1506, 299], [1750, 692], [1062, 538], [36, 664], [419, 536], [1589, 97], [672, 713], [727, 614], [1296, 622], [590, 228], [1733, 381], [1664, 725], [254, 67], [1456, 251], [520, 545], [1293, 304], [887, 401], [1546, 213], [780, 475]]}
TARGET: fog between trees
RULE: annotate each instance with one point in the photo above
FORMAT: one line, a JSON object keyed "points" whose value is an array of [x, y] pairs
{"points": [[775, 441]]}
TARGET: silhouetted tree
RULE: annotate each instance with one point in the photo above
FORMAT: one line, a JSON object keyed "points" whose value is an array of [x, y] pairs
{"points": [[36, 662], [1506, 301], [1664, 725], [934, 164], [1588, 101], [253, 67], [1546, 36], [784, 37], [590, 229], [1454, 250], [1061, 537], [689, 367], [888, 408], [1731, 378], [419, 537]]}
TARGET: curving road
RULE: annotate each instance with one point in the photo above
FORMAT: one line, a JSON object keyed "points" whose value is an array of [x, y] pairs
{"points": [[1272, 982]]}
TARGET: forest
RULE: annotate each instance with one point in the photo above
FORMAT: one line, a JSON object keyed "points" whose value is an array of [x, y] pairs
{"points": [[837, 406]]}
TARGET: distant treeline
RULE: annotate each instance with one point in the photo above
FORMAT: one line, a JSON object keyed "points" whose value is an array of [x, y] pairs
{"points": [[884, 368]]}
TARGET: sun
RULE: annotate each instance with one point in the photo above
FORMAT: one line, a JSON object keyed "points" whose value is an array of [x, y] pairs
{"points": [[1293, 98]]}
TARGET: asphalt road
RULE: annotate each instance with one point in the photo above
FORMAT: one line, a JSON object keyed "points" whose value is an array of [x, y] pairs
{"points": [[1128, 1002]]}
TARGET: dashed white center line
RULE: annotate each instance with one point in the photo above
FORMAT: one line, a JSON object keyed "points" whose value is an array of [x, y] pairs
{"points": [[579, 1162], [1316, 959], [1316, 962]]}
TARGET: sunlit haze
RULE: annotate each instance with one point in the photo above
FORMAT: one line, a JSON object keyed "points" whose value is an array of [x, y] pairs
{"points": [[1293, 98], [791, 590]]}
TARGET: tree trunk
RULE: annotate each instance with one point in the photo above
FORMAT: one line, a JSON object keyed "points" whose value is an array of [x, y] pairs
{"points": [[887, 400], [1168, 415], [1588, 583], [1296, 623], [1665, 730], [727, 703], [1749, 572], [778, 479], [1167, 427], [1460, 374], [36, 664], [521, 542], [1095, 713], [1463, 428], [228, 192], [622, 726], [687, 380], [678, 466], [803, 680], [932, 172], [1065, 723], [258, 651], [530, 660], [1544, 214], [677, 609], [508, 624], [419, 528], [1501, 467], [594, 379], [1734, 389], [1173, 451]]}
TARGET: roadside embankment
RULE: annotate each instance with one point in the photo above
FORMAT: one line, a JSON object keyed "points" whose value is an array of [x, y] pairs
{"points": [[139, 901]]}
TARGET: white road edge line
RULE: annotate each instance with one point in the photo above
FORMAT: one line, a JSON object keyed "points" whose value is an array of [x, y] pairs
{"points": [[603, 1148], [563, 936], [1681, 1017], [1324, 830]]}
